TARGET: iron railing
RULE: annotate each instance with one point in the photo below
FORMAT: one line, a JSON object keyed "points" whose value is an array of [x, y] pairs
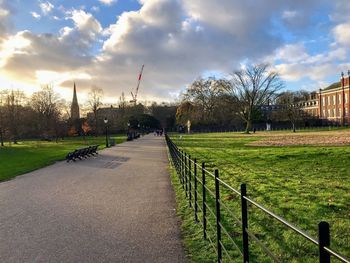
{"points": [[193, 177]]}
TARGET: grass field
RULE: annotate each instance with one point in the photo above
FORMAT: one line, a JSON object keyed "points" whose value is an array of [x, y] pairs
{"points": [[304, 183], [27, 156]]}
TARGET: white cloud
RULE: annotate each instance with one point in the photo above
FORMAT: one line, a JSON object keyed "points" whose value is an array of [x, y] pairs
{"points": [[298, 64], [35, 15], [177, 40], [12, 46], [95, 9], [46, 7], [291, 53], [342, 33], [4, 12], [107, 2], [288, 14]]}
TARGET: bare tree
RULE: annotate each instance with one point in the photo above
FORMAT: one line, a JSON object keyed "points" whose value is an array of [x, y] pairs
{"points": [[203, 93], [95, 101], [252, 87], [47, 105], [291, 109], [2, 116], [186, 111], [14, 101]]}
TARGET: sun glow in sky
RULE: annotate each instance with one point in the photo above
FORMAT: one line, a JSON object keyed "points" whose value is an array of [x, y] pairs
{"points": [[104, 43]]}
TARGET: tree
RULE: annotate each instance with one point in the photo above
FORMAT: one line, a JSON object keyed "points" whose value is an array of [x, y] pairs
{"points": [[203, 93], [165, 113], [95, 101], [13, 105], [47, 105], [252, 87], [86, 129], [291, 109], [2, 117], [186, 111], [72, 131]]}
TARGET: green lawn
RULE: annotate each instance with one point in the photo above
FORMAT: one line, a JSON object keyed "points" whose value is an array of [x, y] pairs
{"points": [[303, 184], [30, 155]]}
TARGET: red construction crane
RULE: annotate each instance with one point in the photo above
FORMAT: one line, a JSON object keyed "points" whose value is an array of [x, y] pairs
{"points": [[134, 96]]}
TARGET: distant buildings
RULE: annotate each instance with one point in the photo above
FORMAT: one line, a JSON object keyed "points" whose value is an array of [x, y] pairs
{"points": [[74, 110], [331, 104]]}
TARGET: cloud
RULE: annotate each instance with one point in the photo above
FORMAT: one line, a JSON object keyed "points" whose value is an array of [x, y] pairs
{"points": [[342, 33], [177, 40], [5, 15], [295, 63], [288, 14], [35, 15], [107, 2], [95, 9], [68, 51], [46, 7]]}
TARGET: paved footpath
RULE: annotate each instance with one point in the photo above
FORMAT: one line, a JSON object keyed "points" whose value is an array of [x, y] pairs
{"points": [[117, 207]]}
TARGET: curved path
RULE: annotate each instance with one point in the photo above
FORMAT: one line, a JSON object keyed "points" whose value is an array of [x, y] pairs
{"points": [[117, 207]]}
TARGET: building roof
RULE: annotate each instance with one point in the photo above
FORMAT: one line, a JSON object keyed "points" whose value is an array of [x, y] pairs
{"points": [[333, 86]]}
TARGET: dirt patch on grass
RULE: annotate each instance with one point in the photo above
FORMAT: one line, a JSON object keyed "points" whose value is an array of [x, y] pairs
{"points": [[326, 138]]}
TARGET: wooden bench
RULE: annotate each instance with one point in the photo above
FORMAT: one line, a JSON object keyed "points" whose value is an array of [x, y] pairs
{"points": [[82, 153]]}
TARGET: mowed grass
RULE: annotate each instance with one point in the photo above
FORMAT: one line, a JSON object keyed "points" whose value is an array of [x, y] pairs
{"points": [[303, 184], [27, 156]]}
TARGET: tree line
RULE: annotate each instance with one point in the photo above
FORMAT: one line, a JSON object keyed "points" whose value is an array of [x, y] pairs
{"points": [[244, 99], [236, 102], [45, 115]]}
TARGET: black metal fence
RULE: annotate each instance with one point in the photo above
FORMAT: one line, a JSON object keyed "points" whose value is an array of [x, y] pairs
{"points": [[194, 179]]}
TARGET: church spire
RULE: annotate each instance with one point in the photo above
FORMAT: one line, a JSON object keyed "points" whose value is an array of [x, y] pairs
{"points": [[75, 114]]}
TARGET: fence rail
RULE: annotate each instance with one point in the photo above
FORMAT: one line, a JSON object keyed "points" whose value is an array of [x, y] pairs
{"points": [[193, 177]]}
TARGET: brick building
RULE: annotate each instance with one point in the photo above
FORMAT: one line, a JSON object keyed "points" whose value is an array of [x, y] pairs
{"points": [[331, 104]]}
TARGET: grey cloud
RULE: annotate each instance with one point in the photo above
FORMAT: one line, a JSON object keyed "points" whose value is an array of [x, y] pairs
{"points": [[173, 56], [218, 36]]}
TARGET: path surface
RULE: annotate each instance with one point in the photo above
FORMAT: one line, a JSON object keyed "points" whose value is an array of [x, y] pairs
{"points": [[118, 207]]}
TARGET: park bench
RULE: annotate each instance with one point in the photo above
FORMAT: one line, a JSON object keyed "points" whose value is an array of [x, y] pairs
{"points": [[82, 153]]}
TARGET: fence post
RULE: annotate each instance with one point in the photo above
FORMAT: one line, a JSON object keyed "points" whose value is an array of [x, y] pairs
{"points": [[182, 168], [323, 241], [218, 216], [195, 191], [185, 174], [203, 203], [244, 223], [176, 158], [189, 181]]}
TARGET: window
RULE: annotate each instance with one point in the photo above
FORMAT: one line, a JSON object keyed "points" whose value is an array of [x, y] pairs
{"points": [[329, 113], [334, 100], [346, 98], [346, 111], [339, 98], [329, 100], [334, 114], [324, 113], [323, 101]]}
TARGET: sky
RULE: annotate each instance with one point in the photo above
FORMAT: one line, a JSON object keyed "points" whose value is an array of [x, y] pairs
{"points": [[104, 43]]}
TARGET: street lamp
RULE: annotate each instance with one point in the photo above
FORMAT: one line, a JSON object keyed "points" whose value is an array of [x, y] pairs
{"points": [[106, 121]]}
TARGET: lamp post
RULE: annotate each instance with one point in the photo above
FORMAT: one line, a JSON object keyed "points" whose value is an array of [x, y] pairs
{"points": [[106, 121]]}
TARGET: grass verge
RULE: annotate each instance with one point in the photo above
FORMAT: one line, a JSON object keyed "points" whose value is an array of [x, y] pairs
{"points": [[303, 184], [27, 156], [197, 249]]}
